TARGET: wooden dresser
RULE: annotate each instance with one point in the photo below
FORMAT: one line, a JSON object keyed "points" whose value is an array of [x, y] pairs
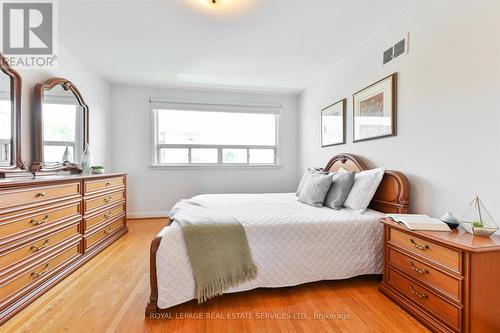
{"points": [[447, 280], [50, 226]]}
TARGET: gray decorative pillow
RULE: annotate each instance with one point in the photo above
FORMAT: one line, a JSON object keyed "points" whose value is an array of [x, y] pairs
{"points": [[315, 189], [339, 191], [305, 177]]}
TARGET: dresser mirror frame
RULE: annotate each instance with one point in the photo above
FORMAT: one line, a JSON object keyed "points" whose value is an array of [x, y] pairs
{"points": [[17, 166], [39, 165]]}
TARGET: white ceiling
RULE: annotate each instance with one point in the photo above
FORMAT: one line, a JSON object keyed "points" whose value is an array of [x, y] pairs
{"points": [[277, 45]]}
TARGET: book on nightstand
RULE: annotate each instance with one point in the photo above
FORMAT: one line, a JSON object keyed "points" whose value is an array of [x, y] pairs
{"points": [[419, 222]]}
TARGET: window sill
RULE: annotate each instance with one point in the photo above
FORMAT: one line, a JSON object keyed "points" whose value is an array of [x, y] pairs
{"points": [[214, 166]]}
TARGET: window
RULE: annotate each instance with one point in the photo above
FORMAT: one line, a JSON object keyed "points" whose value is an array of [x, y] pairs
{"points": [[210, 134], [62, 130]]}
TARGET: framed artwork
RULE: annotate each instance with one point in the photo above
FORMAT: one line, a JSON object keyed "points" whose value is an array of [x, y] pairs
{"points": [[333, 124], [374, 110]]}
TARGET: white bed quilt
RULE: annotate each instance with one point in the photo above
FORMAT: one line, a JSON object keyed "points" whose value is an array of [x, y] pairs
{"points": [[291, 243]]}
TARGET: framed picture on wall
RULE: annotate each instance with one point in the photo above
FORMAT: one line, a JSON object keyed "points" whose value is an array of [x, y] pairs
{"points": [[333, 124], [374, 110]]}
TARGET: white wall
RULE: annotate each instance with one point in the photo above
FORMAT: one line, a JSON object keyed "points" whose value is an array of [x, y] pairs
{"points": [[152, 192], [95, 90], [448, 141]]}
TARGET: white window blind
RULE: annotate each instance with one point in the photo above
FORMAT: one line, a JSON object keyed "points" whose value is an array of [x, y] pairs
{"points": [[216, 107]]}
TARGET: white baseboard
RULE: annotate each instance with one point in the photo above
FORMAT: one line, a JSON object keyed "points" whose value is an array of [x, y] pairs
{"points": [[146, 215]]}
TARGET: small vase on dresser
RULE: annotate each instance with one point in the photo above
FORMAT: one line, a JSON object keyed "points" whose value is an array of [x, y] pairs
{"points": [[86, 160]]}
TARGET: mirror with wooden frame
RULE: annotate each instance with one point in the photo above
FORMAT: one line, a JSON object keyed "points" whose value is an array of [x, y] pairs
{"points": [[11, 163], [61, 127]]}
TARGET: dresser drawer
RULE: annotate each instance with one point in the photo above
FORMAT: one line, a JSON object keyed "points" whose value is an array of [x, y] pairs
{"points": [[106, 231], [92, 186], [33, 221], [104, 216], [92, 204], [38, 273], [39, 246], [438, 254], [38, 194], [426, 273], [425, 299]]}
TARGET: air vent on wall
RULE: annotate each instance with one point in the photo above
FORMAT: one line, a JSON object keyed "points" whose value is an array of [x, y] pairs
{"points": [[396, 50], [388, 54]]}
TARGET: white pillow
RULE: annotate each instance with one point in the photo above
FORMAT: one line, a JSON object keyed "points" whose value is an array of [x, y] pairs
{"points": [[364, 188]]}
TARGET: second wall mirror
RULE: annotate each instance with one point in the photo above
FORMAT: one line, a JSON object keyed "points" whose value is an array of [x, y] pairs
{"points": [[61, 126]]}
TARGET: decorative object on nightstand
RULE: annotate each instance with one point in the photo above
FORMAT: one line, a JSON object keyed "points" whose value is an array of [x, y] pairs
{"points": [[477, 220], [450, 220]]}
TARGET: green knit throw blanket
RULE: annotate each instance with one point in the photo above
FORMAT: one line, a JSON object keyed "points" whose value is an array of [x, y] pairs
{"points": [[217, 248]]}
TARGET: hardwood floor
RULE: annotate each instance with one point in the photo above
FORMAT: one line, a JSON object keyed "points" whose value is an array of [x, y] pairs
{"points": [[110, 292]]}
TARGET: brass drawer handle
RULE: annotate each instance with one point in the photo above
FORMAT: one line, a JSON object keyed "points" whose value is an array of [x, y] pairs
{"points": [[108, 199], [417, 246], [108, 231], [38, 248], [41, 195], [418, 270], [108, 184], [42, 221], [34, 275], [107, 216], [419, 295]]}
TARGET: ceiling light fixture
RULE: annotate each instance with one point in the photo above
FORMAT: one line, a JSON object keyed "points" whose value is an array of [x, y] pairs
{"points": [[216, 4], [227, 8]]}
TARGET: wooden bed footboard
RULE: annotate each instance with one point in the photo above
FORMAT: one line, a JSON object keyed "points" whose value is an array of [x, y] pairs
{"points": [[152, 306], [392, 196]]}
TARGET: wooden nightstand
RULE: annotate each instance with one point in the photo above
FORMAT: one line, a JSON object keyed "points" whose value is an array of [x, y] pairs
{"points": [[450, 281]]}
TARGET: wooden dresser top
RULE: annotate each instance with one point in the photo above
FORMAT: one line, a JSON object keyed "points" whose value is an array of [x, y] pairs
{"points": [[19, 181], [456, 238]]}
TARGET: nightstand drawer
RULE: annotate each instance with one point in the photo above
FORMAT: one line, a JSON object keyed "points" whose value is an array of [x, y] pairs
{"points": [[425, 273], [438, 254], [425, 299]]}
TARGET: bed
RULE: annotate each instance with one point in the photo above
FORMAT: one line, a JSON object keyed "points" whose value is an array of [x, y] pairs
{"points": [[291, 243]]}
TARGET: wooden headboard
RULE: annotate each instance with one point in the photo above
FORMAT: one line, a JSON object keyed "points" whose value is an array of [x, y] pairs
{"points": [[393, 193]]}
